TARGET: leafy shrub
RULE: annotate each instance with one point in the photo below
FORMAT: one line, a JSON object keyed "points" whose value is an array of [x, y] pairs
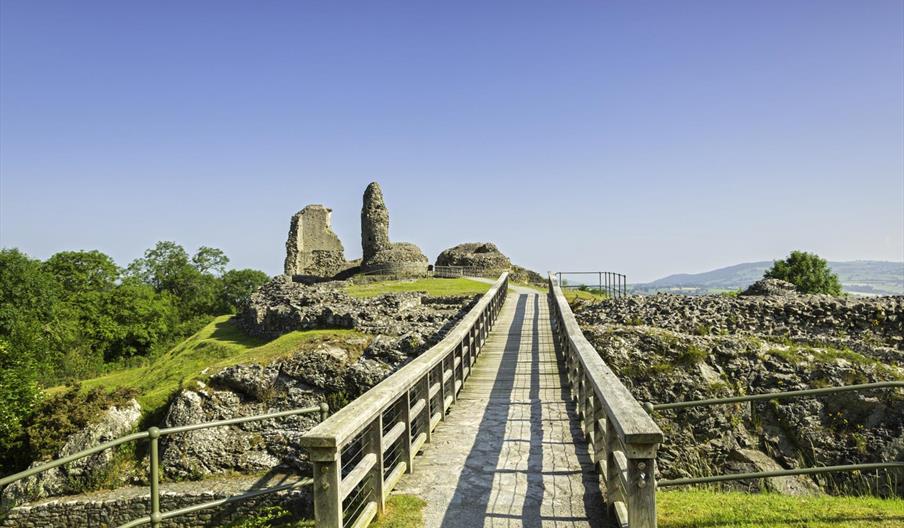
{"points": [[60, 416], [807, 271]]}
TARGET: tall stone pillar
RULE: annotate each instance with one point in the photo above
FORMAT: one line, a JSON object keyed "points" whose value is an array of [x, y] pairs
{"points": [[374, 223]]}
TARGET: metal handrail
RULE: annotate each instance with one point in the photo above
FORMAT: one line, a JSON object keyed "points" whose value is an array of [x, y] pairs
{"points": [[773, 395], [153, 434], [615, 285], [781, 473]]}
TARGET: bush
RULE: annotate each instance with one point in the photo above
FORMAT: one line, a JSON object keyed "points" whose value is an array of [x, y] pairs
{"points": [[67, 413], [807, 271]]}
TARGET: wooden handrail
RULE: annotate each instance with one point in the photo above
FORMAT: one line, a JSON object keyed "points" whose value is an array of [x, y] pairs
{"points": [[623, 437], [422, 391]]}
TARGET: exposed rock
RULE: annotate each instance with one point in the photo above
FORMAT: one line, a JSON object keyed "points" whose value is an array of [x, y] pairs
{"points": [[331, 369], [776, 287], [116, 507], [312, 248], [669, 348], [77, 475], [483, 255], [873, 326]]}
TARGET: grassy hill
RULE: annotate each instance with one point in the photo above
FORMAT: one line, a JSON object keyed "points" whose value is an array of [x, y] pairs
{"points": [[868, 277], [217, 345], [221, 344]]}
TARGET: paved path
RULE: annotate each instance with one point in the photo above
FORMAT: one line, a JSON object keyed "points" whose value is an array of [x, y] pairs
{"points": [[510, 452]]}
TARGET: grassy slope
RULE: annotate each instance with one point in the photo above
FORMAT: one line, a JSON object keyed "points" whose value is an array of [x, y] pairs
{"points": [[433, 287], [217, 345], [687, 509], [221, 343]]}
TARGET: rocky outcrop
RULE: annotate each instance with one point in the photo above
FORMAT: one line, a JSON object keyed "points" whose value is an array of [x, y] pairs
{"points": [[870, 325], [482, 255], [668, 348], [83, 473], [282, 306], [334, 369], [379, 254], [772, 287], [312, 248]]}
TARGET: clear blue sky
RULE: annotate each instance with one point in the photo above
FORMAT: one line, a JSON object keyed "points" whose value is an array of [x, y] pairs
{"points": [[641, 137]]}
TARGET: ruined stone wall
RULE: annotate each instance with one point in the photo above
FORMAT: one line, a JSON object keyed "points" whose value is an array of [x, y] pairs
{"points": [[312, 247], [117, 507]]}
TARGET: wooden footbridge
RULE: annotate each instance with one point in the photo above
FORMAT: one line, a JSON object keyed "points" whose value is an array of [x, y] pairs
{"points": [[513, 419]]}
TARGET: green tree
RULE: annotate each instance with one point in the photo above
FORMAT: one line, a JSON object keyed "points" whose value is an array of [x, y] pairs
{"points": [[20, 393], [80, 272], [137, 319], [238, 285], [167, 268], [210, 260], [807, 271]]}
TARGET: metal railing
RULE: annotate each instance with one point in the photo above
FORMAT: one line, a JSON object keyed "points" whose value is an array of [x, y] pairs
{"points": [[614, 285], [465, 271], [360, 453], [153, 434], [650, 407], [623, 438]]}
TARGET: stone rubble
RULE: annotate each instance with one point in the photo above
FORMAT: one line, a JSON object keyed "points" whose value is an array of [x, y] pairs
{"points": [[669, 348]]}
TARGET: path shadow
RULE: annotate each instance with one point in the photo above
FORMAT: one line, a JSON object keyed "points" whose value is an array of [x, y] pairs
{"points": [[519, 494]]}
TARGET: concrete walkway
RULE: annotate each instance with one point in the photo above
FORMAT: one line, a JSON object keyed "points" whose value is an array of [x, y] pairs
{"points": [[510, 452]]}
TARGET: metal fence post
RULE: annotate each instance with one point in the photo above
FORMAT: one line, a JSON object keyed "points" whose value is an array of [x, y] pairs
{"points": [[324, 411], [154, 436]]}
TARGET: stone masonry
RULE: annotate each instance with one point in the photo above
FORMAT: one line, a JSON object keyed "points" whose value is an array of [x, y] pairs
{"points": [[379, 254], [312, 247]]}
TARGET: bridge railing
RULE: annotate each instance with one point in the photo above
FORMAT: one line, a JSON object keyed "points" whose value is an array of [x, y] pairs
{"points": [[613, 285], [624, 439], [361, 451], [153, 436]]}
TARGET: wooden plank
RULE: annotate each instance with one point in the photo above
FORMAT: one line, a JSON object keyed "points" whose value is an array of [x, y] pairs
{"points": [[393, 434], [356, 475], [367, 515], [393, 478], [418, 408]]}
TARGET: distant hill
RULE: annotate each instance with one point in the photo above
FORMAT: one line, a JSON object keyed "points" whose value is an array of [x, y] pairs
{"points": [[865, 277]]}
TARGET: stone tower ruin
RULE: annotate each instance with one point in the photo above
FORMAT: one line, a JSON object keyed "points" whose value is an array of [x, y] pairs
{"points": [[313, 249]]}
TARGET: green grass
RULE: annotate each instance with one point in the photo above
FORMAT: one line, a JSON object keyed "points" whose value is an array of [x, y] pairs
{"points": [[217, 345], [573, 294], [435, 287], [402, 511], [698, 508]]}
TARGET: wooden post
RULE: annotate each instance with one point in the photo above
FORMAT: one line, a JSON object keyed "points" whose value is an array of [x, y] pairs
{"points": [[375, 446], [327, 478], [427, 413], [641, 492], [407, 453]]}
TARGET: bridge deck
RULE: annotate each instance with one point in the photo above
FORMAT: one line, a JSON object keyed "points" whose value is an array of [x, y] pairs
{"points": [[510, 452]]}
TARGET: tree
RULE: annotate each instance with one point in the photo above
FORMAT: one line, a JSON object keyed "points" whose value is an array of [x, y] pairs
{"points": [[210, 260], [137, 319], [80, 272], [167, 268], [807, 271], [238, 285]]}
